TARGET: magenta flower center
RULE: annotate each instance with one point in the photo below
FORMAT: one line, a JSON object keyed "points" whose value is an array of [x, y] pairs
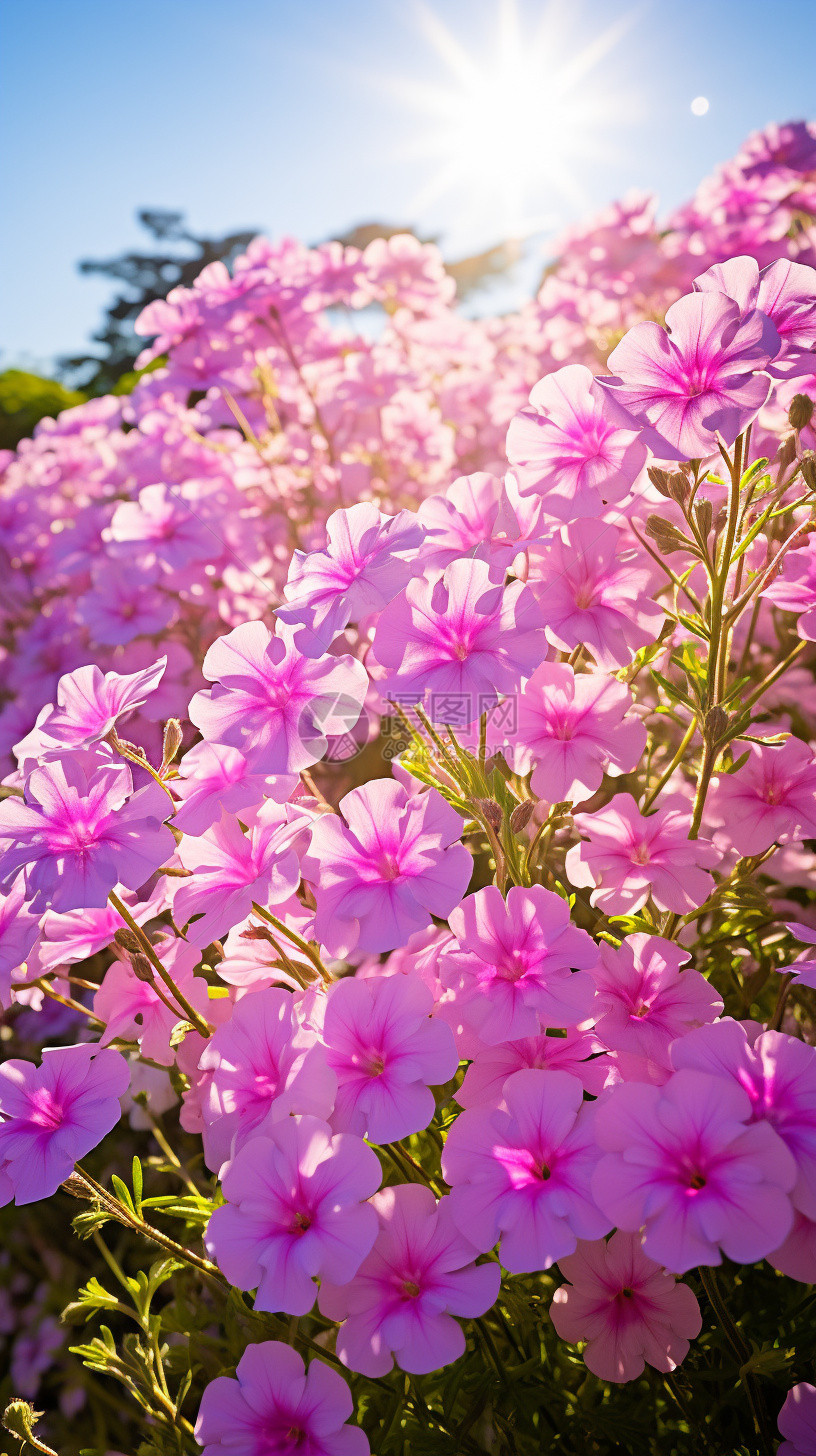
{"points": [[692, 1175], [524, 1168], [301, 1222], [46, 1111], [641, 853], [512, 967], [562, 725], [78, 836], [278, 693], [265, 1086], [389, 866]]}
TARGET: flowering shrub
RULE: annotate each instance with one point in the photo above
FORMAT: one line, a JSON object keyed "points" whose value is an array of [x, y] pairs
{"points": [[407, 844]]}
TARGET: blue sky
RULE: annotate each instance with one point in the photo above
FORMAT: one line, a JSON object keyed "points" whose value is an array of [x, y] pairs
{"points": [[293, 116]]}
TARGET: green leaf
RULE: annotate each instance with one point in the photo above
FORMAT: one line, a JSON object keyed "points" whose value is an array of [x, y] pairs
{"points": [[138, 1184], [122, 1193]]}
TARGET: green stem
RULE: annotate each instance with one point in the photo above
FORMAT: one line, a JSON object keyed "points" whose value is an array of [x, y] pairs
{"points": [[740, 1350], [781, 1001], [297, 940], [667, 772], [119, 747], [775, 674], [123, 1214], [171, 1155], [189, 1010], [43, 985]]}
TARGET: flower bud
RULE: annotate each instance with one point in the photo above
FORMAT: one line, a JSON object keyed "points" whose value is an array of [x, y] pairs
{"points": [[786, 454], [142, 969], [172, 741], [491, 812], [800, 412], [132, 748], [808, 468], [521, 816], [666, 536], [257, 932], [127, 938]]}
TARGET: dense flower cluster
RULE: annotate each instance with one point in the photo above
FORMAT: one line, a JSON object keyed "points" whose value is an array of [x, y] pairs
{"points": [[461, 916]]}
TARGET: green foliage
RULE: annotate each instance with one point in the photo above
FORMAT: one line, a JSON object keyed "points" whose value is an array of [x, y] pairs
{"points": [[25, 399]]}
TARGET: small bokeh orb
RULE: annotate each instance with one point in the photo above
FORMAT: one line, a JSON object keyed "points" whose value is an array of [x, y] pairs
{"points": [[700, 105]]}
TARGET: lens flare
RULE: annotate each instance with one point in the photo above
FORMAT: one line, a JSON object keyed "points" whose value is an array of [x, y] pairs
{"points": [[509, 128]]}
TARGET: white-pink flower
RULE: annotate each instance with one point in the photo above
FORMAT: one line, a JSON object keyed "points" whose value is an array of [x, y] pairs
{"points": [[231, 869], [574, 729], [419, 1274], [574, 445], [521, 1171], [275, 705], [594, 592], [628, 856], [513, 966], [771, 799], [630, 1311]]}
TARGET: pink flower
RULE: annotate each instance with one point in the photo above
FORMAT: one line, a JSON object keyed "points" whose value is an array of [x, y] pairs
{"points": [[125, 604], [797, 1421], [214, 777], [162, 520], [796, 1255], [54, 1114], [778, 1073], [295, 1211], [685, 1161], [132, 1010], [644, 999], [804, 967], [628, 856], [255, 963], [785, 292], [232, 869], [572, 730], [385, 868], [574, 445], [81, 831], [386, 1051], [276, 1408], [460, 637], [512, 965], [574, 1051], [771, 799], [794, 589], [88, 708], [419, 1274], [365, 564], [464, 521], [593, 593], [629, 1310], [81, 933], [260, 1067], [19, 929], [522, 1171], [696, 379], [271, 702]]}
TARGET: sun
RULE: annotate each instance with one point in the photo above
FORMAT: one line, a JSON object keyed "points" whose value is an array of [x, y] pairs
{"points": [[508, 130]]}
